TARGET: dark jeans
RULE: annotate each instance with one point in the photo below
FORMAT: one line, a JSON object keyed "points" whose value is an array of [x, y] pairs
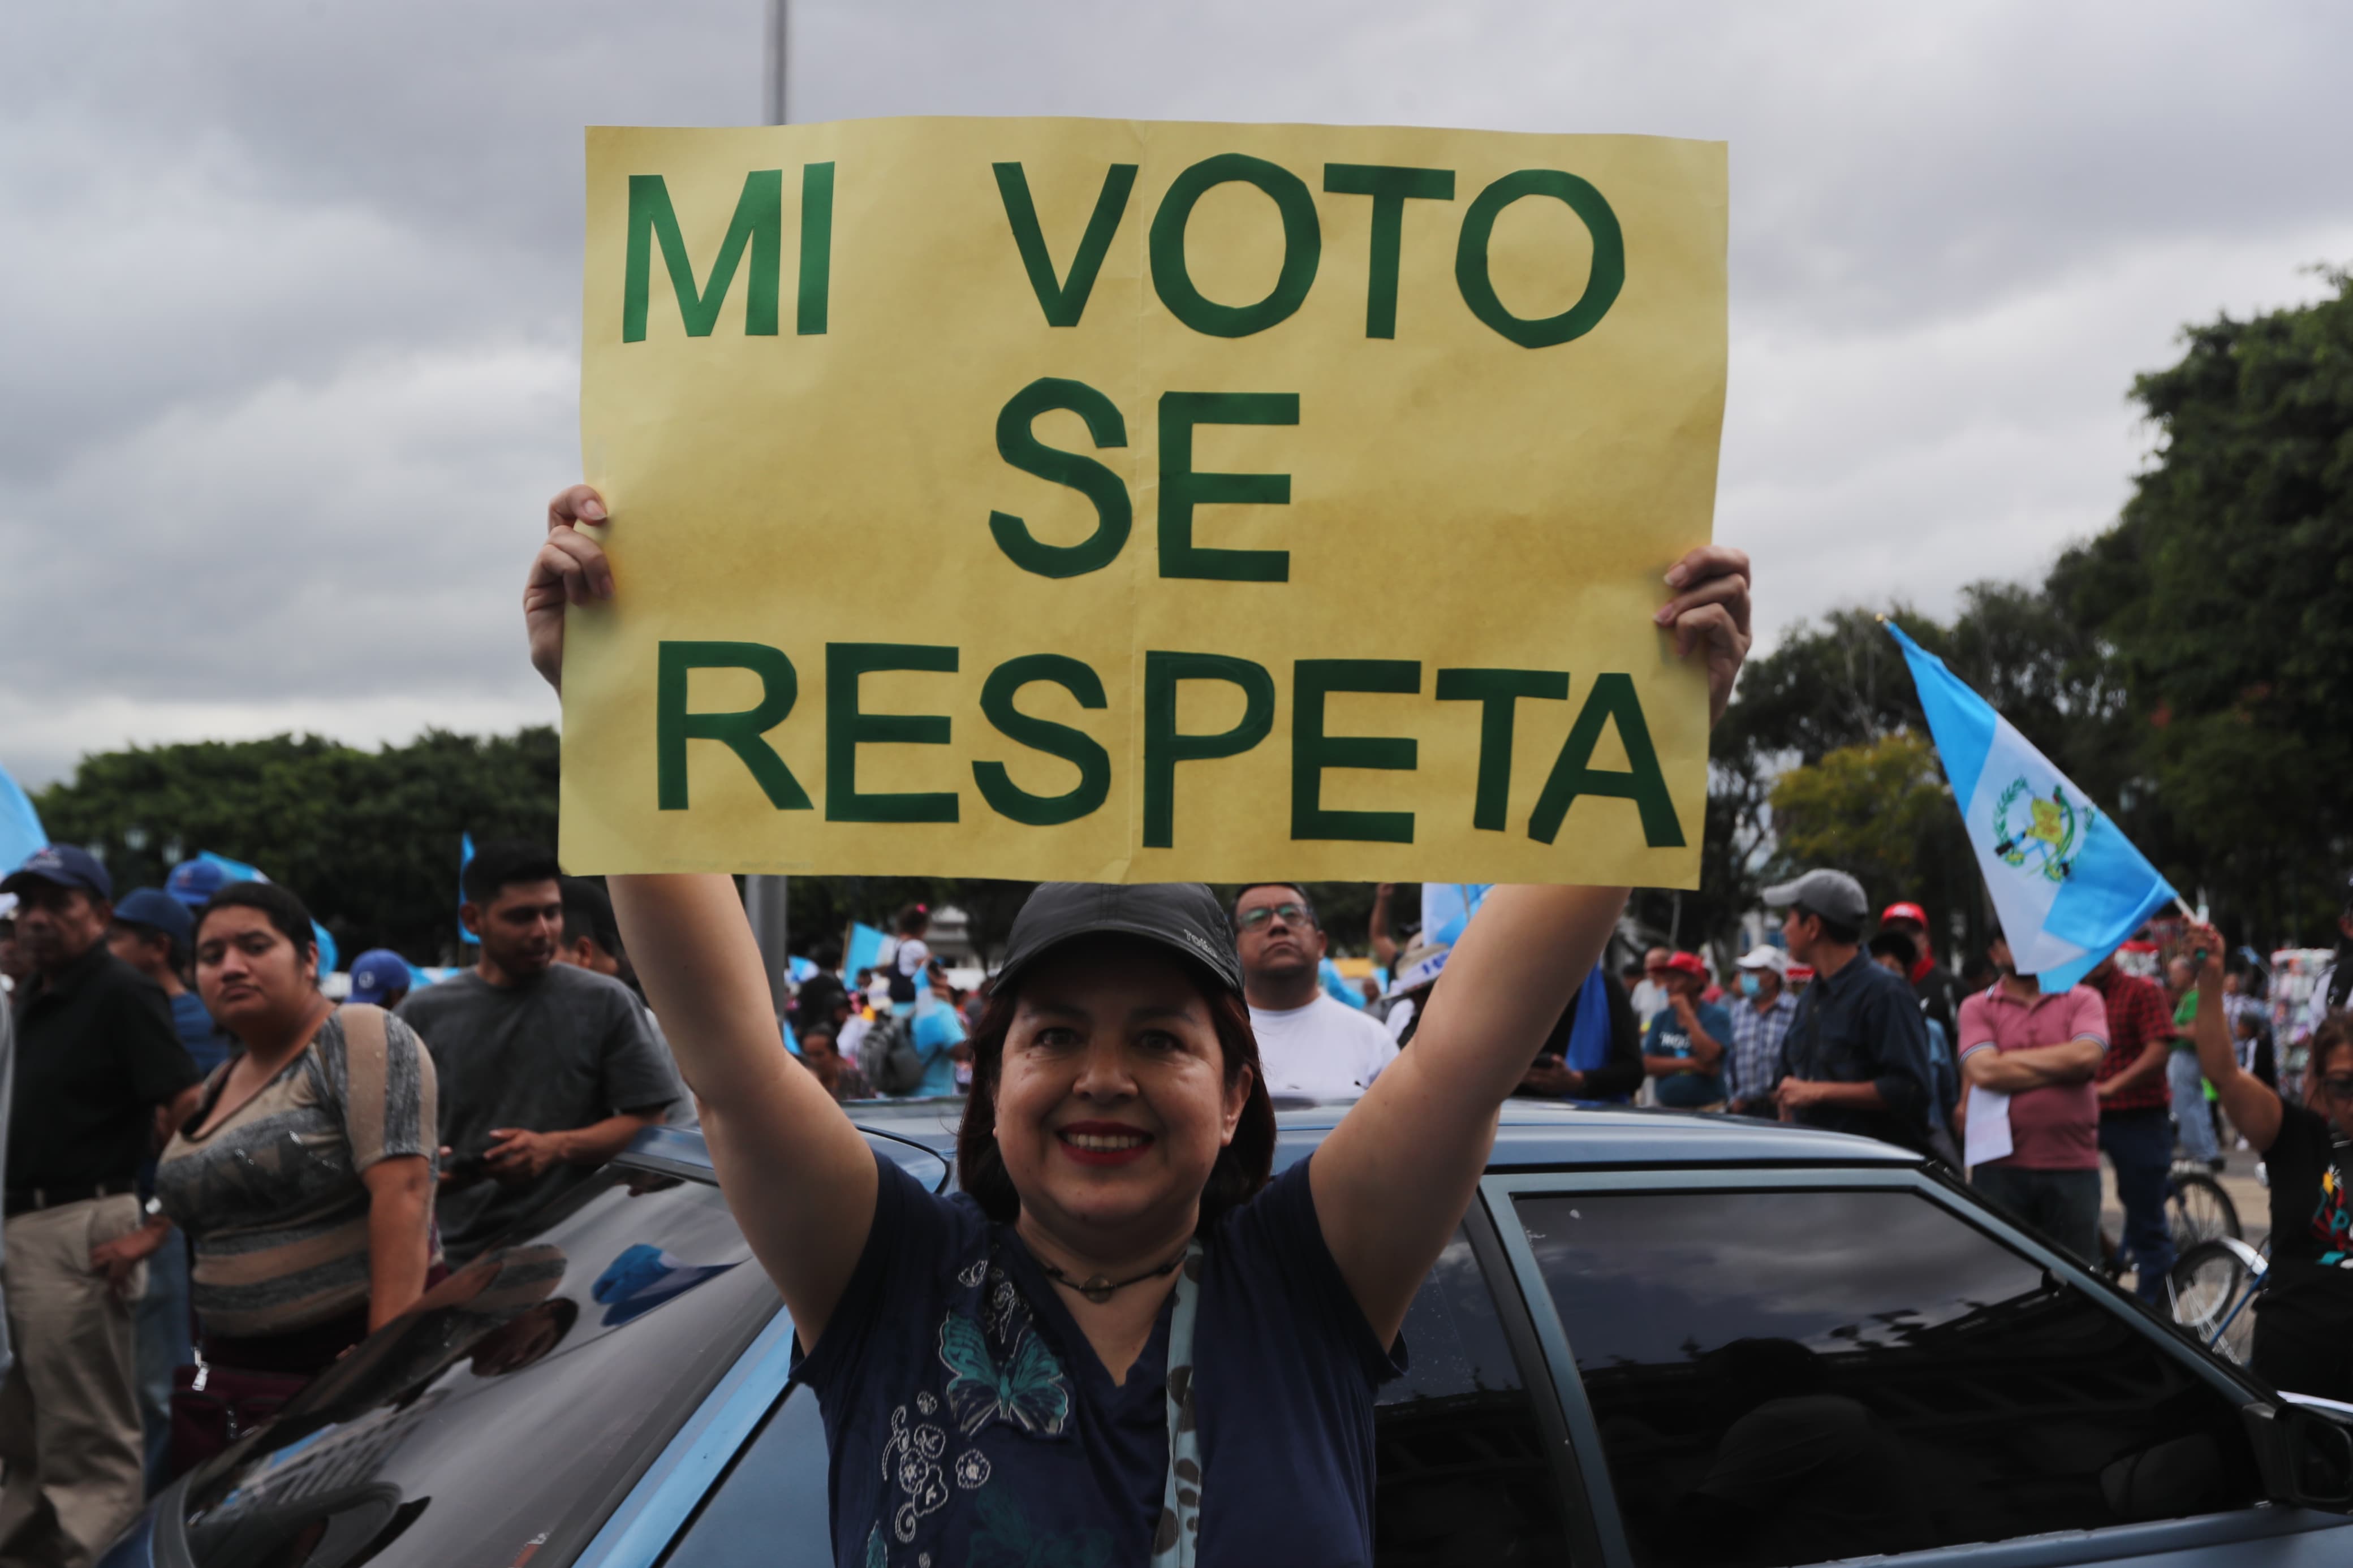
{"points": [[2064, 1205], [2139, 1144]]}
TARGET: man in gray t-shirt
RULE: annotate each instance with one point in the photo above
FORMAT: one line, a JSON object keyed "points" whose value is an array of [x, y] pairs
{"points": [[545, 1070]]}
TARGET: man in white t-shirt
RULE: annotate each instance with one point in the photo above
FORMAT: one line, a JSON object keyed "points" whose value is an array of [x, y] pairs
{"points": [[1308, 1043]]}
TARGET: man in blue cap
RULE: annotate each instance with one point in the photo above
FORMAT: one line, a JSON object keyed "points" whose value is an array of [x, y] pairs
{"points": [[379, 979], [97, 1058], [194, 882], [154, 934]]}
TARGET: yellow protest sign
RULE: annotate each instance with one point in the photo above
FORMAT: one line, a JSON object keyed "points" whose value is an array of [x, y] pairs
{"points": [[1117, 501]]}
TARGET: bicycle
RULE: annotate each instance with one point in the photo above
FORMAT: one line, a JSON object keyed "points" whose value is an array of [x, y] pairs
{"points": [[2210, 1289], [2197, 1210]]}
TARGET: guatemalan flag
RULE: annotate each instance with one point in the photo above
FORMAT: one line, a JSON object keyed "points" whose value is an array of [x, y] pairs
{"points": [[2068, 885]]}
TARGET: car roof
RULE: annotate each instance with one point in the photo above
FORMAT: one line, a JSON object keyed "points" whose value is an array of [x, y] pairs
{"points": [[1533, 1134]]}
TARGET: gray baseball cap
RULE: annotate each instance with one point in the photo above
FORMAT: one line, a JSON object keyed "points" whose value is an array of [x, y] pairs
{"points": [[1184, 917], [1834, 895]]}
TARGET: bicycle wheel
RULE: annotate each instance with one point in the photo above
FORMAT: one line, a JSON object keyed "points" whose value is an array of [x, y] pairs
{"points": [[2197, 1209], [2206, 1285]]}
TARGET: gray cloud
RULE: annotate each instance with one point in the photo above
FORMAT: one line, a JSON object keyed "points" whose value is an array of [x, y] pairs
{"points": [[291, 358]]}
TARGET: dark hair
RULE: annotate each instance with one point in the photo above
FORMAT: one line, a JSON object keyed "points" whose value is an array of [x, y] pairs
{"points": [[175, 951], [1894, 944], [913, 921], [284, 911], [588, 913], [1838, 932], [503, 863], [1248, 888], [1242, 1165]]}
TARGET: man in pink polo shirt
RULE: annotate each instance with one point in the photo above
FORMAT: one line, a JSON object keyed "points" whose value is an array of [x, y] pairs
{"points": [[2041, 1051]]}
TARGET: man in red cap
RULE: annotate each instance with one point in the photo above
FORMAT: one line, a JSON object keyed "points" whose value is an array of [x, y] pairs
{"points": [[1683, 1049], [1939, 994]]}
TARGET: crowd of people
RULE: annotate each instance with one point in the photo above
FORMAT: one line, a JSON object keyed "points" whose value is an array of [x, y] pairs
{"points": [[169, 1041], [219, 1181]]}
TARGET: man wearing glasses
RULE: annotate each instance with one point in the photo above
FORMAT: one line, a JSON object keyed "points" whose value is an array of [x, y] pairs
{"points": [[1307, 1043]]}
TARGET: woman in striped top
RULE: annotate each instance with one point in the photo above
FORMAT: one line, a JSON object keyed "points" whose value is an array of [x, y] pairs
{"points": [[305, 1177]]}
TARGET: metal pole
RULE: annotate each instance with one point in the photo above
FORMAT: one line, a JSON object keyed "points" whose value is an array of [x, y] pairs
{"points": [[764, 896], [778, 55], [763, 903]]}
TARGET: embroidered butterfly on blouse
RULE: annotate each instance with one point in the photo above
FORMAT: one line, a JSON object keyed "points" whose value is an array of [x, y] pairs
{"points": [[1029, 1389]]}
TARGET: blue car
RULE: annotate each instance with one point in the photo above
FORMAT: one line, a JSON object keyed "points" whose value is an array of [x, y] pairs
{"points": [[1659, 1340]]}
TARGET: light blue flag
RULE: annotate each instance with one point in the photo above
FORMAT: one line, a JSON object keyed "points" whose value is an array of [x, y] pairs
{"points": [[1335, 986], [2068, 884], [465, 858], [1447, 909], [865, 949], [20, 825]]}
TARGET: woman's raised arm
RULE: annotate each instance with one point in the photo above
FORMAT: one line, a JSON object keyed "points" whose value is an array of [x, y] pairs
{"points": [[1393, 1179], [796, 1176], [2253, 1106]]}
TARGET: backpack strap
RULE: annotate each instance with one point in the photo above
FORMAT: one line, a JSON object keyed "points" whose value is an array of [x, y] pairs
{"points": [[367, 1053]]}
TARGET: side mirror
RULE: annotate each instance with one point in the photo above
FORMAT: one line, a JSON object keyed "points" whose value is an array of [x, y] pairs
{"points": [[2305, 1458]]}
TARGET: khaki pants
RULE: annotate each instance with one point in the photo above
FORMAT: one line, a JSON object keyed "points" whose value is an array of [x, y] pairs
{"points": [[70, 1434]]}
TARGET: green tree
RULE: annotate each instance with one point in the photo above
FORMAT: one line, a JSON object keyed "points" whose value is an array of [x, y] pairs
{"points": [[1842, 685], [368, 839], [1880, 811], [2225, 594]]}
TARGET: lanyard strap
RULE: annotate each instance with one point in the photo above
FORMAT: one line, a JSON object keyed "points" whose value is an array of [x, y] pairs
{"points": [[1177, 1535]]}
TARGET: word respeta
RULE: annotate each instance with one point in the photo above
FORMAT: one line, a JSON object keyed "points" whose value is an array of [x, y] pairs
{"points": [[1611, 703]]}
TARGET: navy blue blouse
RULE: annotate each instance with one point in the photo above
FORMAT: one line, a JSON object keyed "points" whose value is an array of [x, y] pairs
{"points": [[969, 1421]]}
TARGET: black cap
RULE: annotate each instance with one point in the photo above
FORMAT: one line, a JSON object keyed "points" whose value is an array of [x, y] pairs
{"points": [[1183, 916]]}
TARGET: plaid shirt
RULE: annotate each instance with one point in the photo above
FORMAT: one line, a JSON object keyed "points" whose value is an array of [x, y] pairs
{"points": [[1757, 1037], [2138, 1014]]}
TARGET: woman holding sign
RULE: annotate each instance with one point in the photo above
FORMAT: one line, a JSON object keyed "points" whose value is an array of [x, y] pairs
{"points": [[1120, 1341]]}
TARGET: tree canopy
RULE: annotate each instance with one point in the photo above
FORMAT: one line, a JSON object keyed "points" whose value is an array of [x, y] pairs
{"points": [[2189, 668]]}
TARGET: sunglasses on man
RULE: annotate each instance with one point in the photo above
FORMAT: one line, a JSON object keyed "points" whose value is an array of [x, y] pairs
{"points": [[1293, 914]]}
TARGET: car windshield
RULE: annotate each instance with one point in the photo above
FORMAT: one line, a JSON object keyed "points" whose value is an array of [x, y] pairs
{"points": [[501, 1419]]}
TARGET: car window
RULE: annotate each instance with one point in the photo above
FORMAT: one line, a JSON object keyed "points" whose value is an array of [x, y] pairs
{"points": [[503, 1419], [1786, 1377], [1464, 1473], [770, 1508], [1463, 1477]]}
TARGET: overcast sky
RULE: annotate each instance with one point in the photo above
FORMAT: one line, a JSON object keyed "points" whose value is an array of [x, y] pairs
{"points": [[290, 352]]}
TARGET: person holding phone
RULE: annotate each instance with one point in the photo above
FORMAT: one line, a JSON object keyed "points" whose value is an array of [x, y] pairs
{"points": [[1123, 1340]]}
